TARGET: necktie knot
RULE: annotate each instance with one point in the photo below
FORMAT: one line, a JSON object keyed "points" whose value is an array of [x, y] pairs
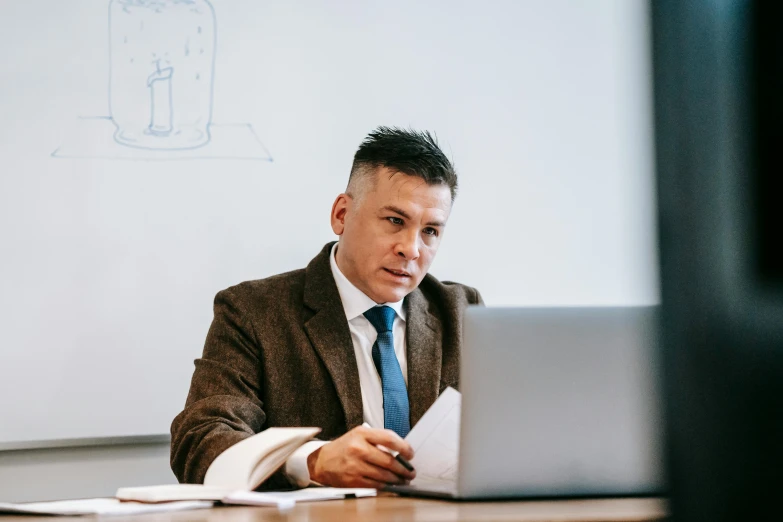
{"points": [[381, 318]]}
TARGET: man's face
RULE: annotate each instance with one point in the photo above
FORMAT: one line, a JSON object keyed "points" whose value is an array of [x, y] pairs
{"points": [[389, 237]]}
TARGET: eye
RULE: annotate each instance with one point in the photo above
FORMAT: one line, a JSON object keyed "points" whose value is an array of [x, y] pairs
{"points": [[431, 231], [395, 220]]}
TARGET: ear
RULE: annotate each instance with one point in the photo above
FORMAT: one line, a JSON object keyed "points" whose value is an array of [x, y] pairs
{"points": [[339, 210]]}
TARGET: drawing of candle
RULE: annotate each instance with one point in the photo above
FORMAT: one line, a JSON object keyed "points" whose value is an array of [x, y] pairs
{"points": [[162, 63], [160, 101]]}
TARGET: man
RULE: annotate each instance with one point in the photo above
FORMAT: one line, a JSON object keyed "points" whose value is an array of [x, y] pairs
{"points": [[363, 334]]}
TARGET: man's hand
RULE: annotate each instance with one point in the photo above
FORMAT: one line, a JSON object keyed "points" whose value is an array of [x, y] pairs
{"points": [[354, 461]]}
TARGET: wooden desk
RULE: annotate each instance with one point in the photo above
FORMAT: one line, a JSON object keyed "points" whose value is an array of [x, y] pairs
{"points": [[391, 508]]}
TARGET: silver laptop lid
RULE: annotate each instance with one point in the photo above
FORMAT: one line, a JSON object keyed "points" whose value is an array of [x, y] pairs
{"points": [[559, 401]]}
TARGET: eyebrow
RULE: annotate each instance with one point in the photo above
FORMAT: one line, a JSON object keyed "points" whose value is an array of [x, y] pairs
{"points": [[404, 214]]}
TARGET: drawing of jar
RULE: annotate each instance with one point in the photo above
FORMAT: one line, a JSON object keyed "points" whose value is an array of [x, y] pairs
{"points": [[162, 63]]}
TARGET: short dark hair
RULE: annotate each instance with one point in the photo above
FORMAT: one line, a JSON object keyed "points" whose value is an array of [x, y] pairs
{"points": [[415, 153]]}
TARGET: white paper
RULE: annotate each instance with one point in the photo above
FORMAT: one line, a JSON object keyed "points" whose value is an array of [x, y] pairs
{"points": [[98, 506], [282, 498], [435, 441], [252, 498]]}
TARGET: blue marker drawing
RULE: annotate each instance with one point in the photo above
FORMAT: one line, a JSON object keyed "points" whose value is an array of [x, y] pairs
{"points": [[162, 69], [161, 89], [161, 105]]}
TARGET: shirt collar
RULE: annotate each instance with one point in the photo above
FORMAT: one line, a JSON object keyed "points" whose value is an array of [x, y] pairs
{"points": [[356, 302]]}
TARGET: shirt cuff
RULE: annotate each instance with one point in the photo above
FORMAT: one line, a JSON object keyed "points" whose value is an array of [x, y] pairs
{"points": [[296, 465]]}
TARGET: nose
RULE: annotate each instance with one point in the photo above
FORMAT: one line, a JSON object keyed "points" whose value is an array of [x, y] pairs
{"points": [[408, 247]]}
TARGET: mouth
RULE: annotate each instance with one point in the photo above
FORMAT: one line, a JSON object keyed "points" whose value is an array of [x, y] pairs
{"points": [[400, 274]]}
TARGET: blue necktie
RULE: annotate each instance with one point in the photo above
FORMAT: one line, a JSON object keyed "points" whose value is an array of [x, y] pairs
{"points": [[396, 413]]}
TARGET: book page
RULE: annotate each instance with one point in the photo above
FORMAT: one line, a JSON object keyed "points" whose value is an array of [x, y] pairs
{"points": [[170, 492], [435, 441], [246, 464]]}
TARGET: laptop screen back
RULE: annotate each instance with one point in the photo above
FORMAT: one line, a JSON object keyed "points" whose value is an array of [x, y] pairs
{"points": [[559, 401]]}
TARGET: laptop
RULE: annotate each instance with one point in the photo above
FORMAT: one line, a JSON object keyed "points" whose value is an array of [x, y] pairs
{"points": [[556, 402]]}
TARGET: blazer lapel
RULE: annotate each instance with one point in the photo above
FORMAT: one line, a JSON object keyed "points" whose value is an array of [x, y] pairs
{"points": [[328, 332], [424, 340]]}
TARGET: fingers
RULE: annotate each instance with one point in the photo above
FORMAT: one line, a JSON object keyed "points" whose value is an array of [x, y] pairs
{"points": [[365, 482], [354, 460], [381, 475], [367, 455], [389, 439], [384, 460]]}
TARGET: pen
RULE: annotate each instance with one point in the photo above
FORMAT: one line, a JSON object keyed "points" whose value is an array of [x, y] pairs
{"points": [[396, 454]]}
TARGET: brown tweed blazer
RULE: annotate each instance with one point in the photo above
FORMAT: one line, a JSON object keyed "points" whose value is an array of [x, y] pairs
{"points": [[279, 353]]}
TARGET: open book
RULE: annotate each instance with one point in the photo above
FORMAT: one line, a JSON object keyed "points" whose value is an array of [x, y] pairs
{"points": [[242, 467]]}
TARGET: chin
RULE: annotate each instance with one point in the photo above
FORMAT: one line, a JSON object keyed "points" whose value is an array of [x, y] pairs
{"points": [[394, 295]]}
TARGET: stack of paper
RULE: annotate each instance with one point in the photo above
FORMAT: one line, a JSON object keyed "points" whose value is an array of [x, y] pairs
{"points": [[98, 506]]}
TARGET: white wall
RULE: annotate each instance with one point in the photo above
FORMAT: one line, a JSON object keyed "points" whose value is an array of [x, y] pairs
{"points": [[50, 474]]}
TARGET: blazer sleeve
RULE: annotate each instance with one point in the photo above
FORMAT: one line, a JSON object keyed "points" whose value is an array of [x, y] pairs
{"points": [[224, 403], [477, 299]]}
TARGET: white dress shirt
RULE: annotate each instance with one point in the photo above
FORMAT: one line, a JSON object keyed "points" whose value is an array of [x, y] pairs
{"points": [[363, 334]]}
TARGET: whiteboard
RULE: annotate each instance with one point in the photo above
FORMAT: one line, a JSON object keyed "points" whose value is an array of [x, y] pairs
{"points": [[114, 246]]}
